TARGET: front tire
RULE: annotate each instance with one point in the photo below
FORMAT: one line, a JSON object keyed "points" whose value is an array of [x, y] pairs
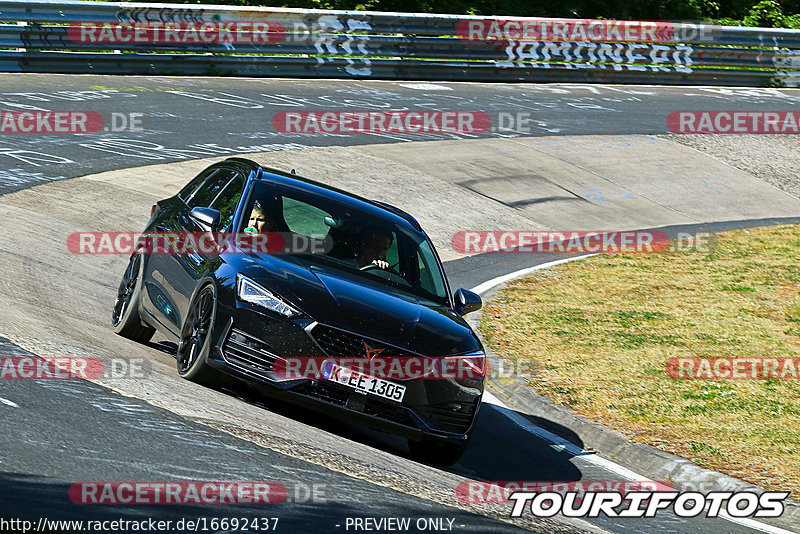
{"points": [[125, 315], [435, 452], [195, 341]]}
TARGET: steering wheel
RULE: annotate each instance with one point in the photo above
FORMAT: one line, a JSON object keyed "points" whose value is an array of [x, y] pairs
{"points": [[371, 266], [392, 274]]}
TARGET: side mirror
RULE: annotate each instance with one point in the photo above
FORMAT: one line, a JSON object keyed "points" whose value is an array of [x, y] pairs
{"points": [[467, 301], [207, 217]]}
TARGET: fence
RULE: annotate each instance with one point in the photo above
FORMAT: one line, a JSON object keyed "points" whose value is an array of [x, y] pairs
{"points": [[136, 38]]}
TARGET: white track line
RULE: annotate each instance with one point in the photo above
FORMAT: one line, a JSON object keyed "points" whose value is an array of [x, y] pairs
{"points": [[559, 443], [9, 403], [486, 286]]}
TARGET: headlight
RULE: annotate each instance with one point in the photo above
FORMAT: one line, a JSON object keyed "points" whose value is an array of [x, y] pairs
{"points": [[249, 291], [471, 365]]}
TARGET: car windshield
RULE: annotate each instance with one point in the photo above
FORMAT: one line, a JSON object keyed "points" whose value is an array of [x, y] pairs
{"points": [[370, 247]]}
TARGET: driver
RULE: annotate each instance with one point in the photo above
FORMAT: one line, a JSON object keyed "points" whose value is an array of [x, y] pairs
{"points": [[374, 248]]}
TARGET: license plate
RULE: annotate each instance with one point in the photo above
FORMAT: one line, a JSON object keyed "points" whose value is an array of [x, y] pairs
{"points": [[364, 383]]}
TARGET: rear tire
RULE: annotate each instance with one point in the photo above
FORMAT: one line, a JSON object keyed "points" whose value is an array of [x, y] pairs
{"points": [[435, 452], [195, 342], [125, 314]]}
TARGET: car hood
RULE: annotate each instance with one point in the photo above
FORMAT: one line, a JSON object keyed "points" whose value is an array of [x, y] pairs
{"points": [[348, 301]]}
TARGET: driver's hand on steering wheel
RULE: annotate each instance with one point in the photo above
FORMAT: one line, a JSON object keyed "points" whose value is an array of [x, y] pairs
{"points": [[383, 264]]}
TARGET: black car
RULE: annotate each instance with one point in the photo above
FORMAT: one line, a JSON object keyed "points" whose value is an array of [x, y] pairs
{"points": [[240, 313]]}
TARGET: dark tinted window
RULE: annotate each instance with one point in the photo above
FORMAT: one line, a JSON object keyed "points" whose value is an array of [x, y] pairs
{"points": [[187, 192], [208, 191], [361, 243], [228, 198]]}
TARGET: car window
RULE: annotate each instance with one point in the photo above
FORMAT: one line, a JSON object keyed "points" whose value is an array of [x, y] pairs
{"points": [[205, 194], [189, 190], [305, 219], [429, 278], [356, 238], [227, 199], [392, 255]]}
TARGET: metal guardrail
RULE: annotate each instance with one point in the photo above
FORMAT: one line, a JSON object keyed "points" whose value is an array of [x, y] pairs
{"points": [[72, 36]]}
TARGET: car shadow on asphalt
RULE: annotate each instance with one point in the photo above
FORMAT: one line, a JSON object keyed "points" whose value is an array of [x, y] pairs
{"points": [[500, 449]]}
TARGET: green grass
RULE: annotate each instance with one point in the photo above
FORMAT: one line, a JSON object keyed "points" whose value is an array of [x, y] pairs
{"points": [[600, 332]]}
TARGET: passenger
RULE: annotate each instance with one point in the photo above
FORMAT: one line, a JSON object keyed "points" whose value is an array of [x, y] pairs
{"points": [[260, 221]]}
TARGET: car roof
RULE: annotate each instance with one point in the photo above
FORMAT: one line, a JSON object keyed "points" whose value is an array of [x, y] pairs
{"points": [[376, 208]]}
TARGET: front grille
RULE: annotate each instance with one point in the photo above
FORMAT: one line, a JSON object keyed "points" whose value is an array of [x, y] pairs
{"points": [[390, 412], [246, 351], [324, 391], [341, 344], [371, 406], [445, 417]]}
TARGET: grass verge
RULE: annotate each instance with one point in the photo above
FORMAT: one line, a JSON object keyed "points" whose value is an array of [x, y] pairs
{"points": [[600, 333]]}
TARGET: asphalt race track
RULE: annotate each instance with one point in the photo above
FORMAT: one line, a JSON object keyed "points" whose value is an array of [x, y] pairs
{"points": [[57, 433], [185, 118]]}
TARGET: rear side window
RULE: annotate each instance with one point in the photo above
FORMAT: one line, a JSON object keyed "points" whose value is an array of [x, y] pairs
{"points": [[228, 198], [208, 191], [189, 190]]}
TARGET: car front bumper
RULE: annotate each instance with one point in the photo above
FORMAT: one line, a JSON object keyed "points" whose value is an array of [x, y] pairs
{"points": [[249, 342]]}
